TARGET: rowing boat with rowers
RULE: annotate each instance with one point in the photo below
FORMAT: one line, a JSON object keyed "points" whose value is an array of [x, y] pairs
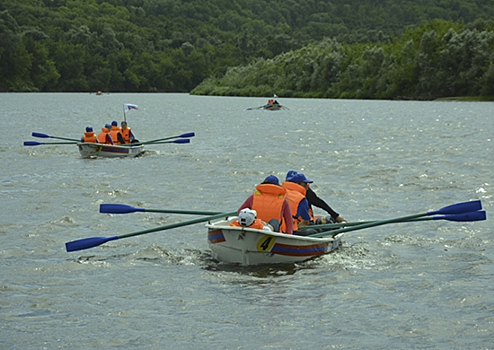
{"points": [[93, 150], [248, 246]]}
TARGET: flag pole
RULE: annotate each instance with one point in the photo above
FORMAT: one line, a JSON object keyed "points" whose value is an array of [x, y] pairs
{"points": [[125, 115]]}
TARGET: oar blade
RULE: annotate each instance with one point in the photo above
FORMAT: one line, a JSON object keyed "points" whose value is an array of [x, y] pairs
{"points": [[473, 216], [181, 141], [32, 143], [188, 134], [87, 243], [459, 208], [118, 209], [38, 134], [173, 141]]}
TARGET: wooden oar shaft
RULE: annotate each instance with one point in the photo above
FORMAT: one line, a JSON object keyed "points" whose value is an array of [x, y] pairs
{"points": [[178, 224], [109, 208], [35, 143], [367, 225], [458, 217], [349, 224], [92, 242], [189, 134], [458, 208], [38, 134]]}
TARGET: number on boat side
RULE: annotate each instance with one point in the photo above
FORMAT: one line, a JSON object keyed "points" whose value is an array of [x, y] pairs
{"points": [[98, 148], [265, 244]]}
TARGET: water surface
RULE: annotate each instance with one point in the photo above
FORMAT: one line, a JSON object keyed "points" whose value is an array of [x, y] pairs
{"points": [[421, 285]]}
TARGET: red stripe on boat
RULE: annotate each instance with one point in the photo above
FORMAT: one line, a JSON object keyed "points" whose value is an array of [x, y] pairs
{"points": [[216, 236]]}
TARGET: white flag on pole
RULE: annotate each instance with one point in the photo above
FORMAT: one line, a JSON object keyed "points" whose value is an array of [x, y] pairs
{"points": [[129, 107]]}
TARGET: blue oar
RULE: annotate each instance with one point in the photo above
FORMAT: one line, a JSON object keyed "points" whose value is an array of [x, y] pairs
{"points": [[44, 136], [467, 208], [92, 242], [174, 141], [189, 134], [251, 108], [34, 143], [126, 209]]}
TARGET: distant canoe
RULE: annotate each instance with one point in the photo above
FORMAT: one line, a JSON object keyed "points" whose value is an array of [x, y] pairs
{"points": [[273, 107], [91, 150]]}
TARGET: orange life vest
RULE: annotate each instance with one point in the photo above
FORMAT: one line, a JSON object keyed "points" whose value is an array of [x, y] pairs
{"points": [[126, 134], [89, 137], [102, 136], [113, 133], [268, 201], [257, 224], [294, 194]]}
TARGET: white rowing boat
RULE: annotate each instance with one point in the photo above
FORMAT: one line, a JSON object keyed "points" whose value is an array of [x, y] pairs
{"points": [[90, 150], [245, 246]]}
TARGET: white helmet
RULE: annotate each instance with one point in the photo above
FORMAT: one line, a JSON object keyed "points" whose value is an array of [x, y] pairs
{"points": [[246, 217]]}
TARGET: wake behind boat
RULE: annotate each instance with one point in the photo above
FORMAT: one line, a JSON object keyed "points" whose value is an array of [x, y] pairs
{"points": [[92, 150], [247, 246]]}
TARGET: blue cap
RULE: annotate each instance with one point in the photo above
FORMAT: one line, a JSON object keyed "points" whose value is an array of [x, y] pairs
{"points": [[300, 178], [108, 126], [272, 180], [89, 129], [123, 122], [290, 174], [114, 123]]}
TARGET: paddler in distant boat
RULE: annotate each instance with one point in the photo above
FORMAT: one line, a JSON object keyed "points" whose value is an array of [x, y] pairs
{"points": [[104, 136], [89, 135], [116, 134], [127, 134]]}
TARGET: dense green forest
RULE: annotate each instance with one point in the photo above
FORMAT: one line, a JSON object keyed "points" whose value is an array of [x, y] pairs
{"points": [[436, 60], [337, 48]]}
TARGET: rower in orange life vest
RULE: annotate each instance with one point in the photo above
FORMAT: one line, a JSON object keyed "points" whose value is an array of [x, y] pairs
{"points": [[115, 133], [296, 189], [271, 205], [104, 136], [126, 132], [314, 200], [248, 218], [89, 136]]}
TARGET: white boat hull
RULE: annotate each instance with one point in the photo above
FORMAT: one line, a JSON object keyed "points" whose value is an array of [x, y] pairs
{"points": [[90, 150], [238, 245]]}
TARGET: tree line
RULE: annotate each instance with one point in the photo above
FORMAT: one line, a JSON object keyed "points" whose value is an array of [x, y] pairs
{"points": [[436, 60], [174, 45]]}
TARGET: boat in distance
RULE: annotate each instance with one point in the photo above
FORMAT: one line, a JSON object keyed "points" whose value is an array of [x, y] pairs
{"points": [[272, 107], [92, 150], [248, 246]]}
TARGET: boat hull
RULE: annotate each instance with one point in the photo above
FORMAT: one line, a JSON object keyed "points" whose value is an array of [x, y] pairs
{"points": [[91, 150], [275, 107], [239, 245]]}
